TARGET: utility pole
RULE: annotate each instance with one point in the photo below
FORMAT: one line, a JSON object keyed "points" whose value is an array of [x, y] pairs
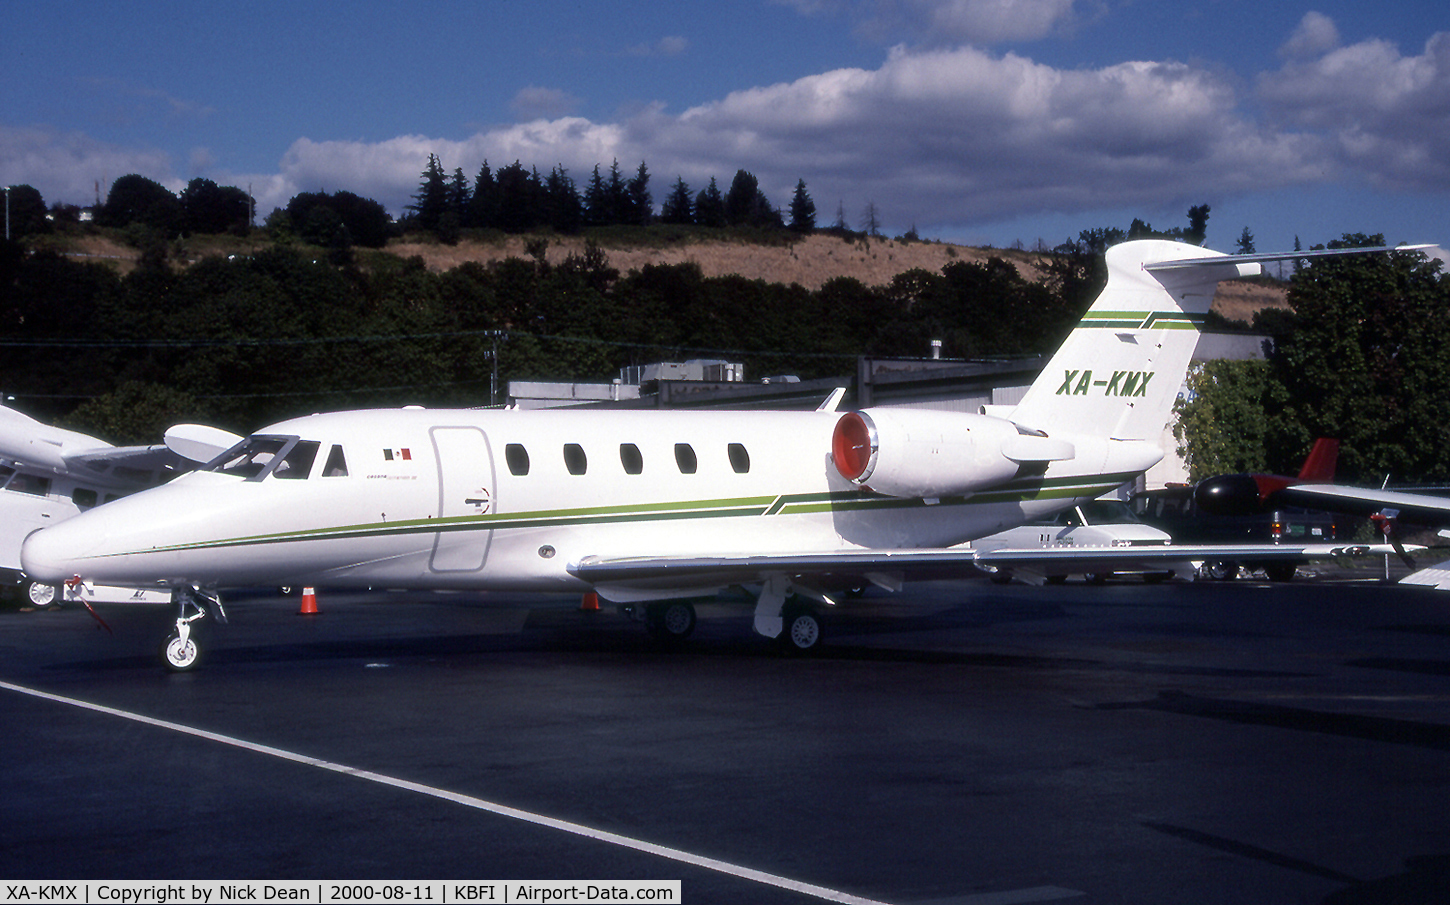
{"points": [[495, 335]]}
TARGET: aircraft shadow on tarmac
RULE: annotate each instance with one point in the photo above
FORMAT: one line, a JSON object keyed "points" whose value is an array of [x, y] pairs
{"points": [[879, 636], [1426, 880], [1431, 736]]}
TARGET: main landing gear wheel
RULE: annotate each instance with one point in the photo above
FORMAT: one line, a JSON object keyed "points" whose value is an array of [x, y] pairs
{"points": [[1281, 571], [671, 621], [801, 633], [43, 596]]}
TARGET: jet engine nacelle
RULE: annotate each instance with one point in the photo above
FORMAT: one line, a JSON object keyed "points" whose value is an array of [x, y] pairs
{"points": [[921, 453]]}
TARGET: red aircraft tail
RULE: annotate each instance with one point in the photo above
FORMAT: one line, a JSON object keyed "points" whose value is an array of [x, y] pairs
{"points": [[1319, 467]]}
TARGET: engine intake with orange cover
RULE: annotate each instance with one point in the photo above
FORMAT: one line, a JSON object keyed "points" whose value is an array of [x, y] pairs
{"points": [[923, 453]]}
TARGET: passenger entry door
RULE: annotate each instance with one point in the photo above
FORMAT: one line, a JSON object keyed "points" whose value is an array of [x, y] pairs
{"points": [[465, 491]]}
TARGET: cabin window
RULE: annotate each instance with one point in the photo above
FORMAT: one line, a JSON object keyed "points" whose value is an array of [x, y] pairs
{"points": [[517, 458], [685, 458], [135, 475], [83, 498], [5, 472], [336, 466], [630, 458], [739, 458], [297, 463], [29, 483], [574, 458]]}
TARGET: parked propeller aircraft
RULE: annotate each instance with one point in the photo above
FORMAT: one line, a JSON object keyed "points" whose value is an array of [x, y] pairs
{"points": [[1244, 494], [652, 508], [49, 474]]}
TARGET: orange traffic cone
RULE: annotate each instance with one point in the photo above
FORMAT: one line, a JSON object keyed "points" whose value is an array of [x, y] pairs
{"points": [[309, 602], [590, 603]]}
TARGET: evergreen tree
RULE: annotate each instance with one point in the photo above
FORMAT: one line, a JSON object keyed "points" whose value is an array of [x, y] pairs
{"points": [[1197, 232], [1245, 242], [518, 199], [641, 206], [483, 206], [562, 208], [741, 202], [710, 206], [678, 207], [802, 210], [596, 200], [432, 199], [616, 196], [459, 195]]}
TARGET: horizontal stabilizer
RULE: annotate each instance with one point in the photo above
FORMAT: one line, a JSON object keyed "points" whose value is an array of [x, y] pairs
{"points": [[1276, 256]]}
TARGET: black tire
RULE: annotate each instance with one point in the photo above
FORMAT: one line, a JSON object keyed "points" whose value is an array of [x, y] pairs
{"points": [[673, 621], [1280, 571], [1222, 571]]}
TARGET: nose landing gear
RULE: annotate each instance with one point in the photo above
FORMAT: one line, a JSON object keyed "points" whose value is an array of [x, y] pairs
{"points": [[181, 650]]}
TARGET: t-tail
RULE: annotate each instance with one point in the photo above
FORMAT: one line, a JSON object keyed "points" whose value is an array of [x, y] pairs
{"points": [[1119, 371], [1099, 408]]}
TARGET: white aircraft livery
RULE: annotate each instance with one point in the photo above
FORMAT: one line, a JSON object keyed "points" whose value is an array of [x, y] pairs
{"points": [[656, 507]]}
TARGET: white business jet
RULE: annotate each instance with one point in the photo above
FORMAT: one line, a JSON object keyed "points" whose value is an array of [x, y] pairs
{"points": [[651, 508]]}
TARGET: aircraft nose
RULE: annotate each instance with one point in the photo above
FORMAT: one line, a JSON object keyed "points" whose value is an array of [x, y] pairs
{"points": [[53, 554]]}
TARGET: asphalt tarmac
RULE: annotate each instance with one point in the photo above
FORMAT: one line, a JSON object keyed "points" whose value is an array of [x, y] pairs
{"points": [[960, 742]]}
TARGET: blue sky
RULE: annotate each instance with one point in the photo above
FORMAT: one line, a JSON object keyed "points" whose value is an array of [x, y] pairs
{"points": [[984, 121]]}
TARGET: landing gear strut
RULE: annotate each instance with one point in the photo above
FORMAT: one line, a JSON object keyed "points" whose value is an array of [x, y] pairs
{"points": [[794, 626], [181, 650]]}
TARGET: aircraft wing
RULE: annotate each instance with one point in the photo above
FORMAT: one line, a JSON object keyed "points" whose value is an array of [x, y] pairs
{"points": [[630, 578], [1420, 508], [151, 458]]}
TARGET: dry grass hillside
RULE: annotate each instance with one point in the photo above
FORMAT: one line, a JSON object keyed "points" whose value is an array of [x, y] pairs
{"points": [[810, 261]]}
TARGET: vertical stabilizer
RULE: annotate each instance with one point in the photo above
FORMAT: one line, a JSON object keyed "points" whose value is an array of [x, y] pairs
{"points": [[1323, 458], [1120, 369]]}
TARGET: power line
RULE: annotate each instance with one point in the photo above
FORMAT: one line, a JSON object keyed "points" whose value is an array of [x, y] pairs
{"points": [[397, 337]]}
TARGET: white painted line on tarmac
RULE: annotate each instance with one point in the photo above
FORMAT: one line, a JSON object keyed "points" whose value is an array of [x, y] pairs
{"points": [[649, 848]]}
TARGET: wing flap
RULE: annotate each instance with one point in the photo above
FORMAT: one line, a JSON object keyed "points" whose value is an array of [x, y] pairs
{"points": [[630, 578]]}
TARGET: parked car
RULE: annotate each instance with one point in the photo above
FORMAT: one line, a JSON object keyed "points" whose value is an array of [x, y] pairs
{"points": [[1100, 523], [1173, 510]]}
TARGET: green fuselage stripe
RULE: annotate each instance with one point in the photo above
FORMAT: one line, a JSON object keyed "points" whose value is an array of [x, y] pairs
{"points": [[1141, 320], [1019, 491]]}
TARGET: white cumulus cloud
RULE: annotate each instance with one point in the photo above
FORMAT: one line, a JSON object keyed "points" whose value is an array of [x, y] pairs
{"points": [[1385, 115]]}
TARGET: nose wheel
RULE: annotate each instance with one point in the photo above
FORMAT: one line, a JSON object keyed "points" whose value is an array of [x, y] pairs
{"points": [[181, 650], [178, 653]]}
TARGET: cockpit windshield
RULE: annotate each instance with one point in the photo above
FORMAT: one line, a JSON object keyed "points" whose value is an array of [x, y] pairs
{"points": [[260, 455]]}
